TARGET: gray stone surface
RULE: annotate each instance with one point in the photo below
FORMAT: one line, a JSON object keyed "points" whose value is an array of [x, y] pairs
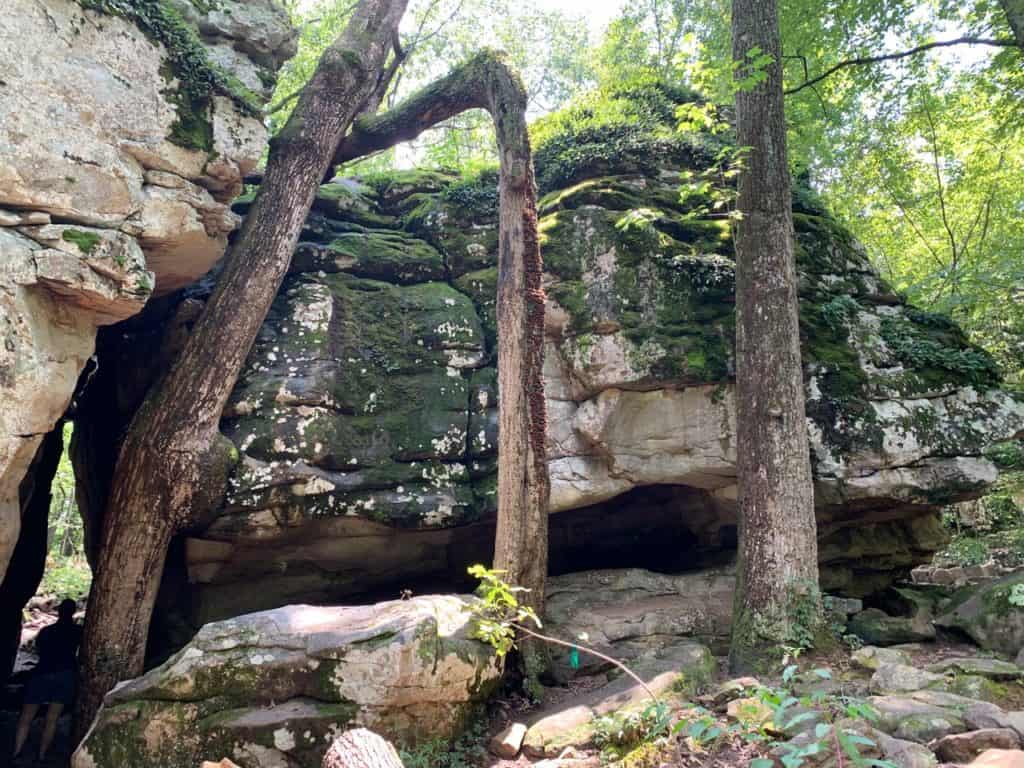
{"points": [[275, 688], [89, 137]]}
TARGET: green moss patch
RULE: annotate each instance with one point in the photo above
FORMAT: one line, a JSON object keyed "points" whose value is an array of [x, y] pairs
{"points": [[84, 241]]}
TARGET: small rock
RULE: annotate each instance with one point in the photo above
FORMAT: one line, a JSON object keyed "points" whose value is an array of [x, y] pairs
{"points": [[913, 720], [999, 758], [901, 678], [508, 742], [749, 711], [871, 657], [224, 763], [983, 715], [964, 747], [732, 689], [904, 754]]}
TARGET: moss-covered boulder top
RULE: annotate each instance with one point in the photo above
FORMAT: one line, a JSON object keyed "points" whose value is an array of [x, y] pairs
{"points": [[368, 405], [276, 688]]}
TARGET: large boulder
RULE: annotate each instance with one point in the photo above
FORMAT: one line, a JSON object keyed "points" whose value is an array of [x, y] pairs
{"points": [[366, 415], [276, 688], [629, 613], [986, 613], [133, 126]]}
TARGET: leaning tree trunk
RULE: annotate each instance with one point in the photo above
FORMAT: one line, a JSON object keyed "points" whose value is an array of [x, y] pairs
{"points": [[777, 572], [173, 454], [487, 82], [1014, 10]]}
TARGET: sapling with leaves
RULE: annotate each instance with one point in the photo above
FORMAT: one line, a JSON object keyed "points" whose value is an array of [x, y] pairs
{"points": [[499, 617]]}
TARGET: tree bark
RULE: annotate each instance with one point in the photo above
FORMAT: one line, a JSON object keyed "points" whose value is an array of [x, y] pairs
{"points": [[487, 82], [360, 748], [1014, 10], [173, 455], [777, 572]]}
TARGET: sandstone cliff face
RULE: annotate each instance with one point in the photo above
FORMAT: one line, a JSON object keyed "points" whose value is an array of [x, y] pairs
{"points": [[366, 417], [125, 131]]}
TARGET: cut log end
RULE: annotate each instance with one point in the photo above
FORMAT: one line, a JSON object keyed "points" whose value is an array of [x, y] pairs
{"points": [[360, 748]]}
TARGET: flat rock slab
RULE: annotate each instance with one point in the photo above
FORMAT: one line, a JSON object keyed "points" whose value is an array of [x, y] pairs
{"points": [[872, 657], [901, 678], [994, 669], [570, 723], [632, 612]]}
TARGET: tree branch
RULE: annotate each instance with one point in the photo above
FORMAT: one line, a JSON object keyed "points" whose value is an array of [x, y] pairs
{"points": [[861, 60]]}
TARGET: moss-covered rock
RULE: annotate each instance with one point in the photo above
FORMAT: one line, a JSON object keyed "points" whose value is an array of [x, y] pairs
{"points": [[369, 403], [990, 614], [277, 687]]}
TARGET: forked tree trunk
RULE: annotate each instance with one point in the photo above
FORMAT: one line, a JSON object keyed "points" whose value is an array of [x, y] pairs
{"points": [[487, 82], [173, 453], [777, 572]]}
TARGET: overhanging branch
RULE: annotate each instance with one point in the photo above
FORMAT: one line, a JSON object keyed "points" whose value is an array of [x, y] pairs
{"points": [[861, 60]]}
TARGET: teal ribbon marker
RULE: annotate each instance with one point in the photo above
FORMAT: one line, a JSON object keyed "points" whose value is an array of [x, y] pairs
{"points": [[574, 658]]}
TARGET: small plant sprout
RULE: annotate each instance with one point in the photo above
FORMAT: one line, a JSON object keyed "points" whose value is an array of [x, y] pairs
{"points": [[499, 615]]}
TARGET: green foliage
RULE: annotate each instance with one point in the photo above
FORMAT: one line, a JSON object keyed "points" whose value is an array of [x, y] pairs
{"points": [[835, 719], [967, 550], [752, 70], [85, 241], [626, 128], [917, 349], [498, 610], [67, 577], [476, 194], [618, 733], [67, 572], [1007, 455], [838, 310], [1016, 596], [805, 620], [467, 751]]}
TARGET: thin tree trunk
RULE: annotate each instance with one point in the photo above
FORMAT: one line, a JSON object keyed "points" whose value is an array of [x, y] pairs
{"points": [[173, 456], [1014, 10], [486, 82], [777, 572]]}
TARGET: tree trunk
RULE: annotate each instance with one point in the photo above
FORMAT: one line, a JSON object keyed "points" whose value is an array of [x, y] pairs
{"points": [[173, 457], [486, 82], [1014, 10], [360, 748], [777, 571]]}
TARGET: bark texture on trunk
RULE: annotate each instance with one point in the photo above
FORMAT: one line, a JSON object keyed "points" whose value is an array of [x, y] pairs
{"points": [[777, 573], [360, 748], [487, 82], [173, 456], [1014, 10]]}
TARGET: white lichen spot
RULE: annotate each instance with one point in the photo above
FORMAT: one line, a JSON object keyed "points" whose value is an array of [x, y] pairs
{"points": [[284, 740]]}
